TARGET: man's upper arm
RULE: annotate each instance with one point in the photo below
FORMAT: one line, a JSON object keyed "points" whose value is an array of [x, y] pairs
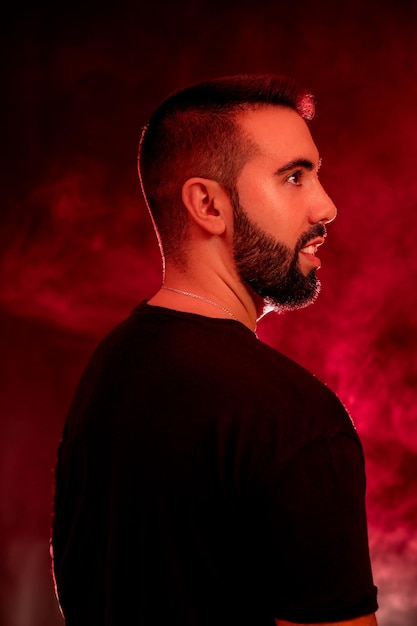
{"points": [[366, 620], [321, 554]]}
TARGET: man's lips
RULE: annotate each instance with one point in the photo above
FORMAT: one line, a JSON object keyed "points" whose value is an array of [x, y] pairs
{"points": [[312, 246], [310, 249]]}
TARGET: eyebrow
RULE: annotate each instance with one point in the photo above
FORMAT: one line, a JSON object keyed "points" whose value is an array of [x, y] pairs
{"points": [[305, 163]]}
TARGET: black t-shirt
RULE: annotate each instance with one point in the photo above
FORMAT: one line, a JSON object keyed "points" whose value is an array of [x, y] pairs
{"points": [[204, 479]]}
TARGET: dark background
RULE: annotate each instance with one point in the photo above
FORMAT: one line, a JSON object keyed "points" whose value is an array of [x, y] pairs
{"points": [[78, 251]]}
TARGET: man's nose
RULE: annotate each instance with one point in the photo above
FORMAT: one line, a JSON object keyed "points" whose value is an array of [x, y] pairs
{"points": [[322, 210]]}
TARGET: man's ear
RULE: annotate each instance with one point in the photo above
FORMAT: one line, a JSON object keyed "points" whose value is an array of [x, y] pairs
{"points": [[207, 203]]}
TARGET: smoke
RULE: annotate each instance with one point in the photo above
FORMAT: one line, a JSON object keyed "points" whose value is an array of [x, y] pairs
{"points": [[81, 258]]}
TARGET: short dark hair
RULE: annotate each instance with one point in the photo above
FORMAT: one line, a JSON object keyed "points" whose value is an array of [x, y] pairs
{"points": [[194, 132]]}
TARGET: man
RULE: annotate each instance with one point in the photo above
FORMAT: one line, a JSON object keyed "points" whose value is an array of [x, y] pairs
{"points": [[203, 478]]}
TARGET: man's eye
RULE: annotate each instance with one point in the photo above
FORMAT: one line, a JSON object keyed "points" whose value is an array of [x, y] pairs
{"points": [[295, 178]]}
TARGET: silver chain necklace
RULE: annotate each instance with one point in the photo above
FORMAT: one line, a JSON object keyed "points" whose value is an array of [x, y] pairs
{"points": [[194, 295]]}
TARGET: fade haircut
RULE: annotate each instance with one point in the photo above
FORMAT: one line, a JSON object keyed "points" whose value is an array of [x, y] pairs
{"points": [[195, 132]]}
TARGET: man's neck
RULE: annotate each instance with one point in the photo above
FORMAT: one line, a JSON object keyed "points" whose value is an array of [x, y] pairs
{"points": [[213, 296]]}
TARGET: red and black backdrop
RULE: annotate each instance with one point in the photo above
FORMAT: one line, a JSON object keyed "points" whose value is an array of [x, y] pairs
{"points": [[78, 251]]}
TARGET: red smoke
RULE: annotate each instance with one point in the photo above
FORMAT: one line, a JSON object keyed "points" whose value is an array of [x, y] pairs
{"points": [[78, 260], [79, 251]]}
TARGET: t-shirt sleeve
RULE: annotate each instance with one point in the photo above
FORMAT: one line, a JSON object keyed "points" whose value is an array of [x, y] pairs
{"points": [[315, 534]]}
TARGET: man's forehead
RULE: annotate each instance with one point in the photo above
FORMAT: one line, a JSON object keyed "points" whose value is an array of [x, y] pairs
{"points": [[276, 128]]}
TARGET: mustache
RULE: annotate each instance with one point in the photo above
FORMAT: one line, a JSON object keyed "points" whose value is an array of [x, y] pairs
{"points": [[318, 230]]}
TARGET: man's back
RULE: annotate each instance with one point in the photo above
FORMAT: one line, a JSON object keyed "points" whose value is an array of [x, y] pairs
{"points": [[203, 479]]}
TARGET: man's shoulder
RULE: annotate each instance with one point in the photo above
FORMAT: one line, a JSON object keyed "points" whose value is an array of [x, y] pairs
{"points": [[222, 353], [198, 344]]}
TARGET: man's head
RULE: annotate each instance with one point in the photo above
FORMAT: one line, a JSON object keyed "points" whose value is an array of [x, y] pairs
{"points": [[195, 132], [249, 135]]}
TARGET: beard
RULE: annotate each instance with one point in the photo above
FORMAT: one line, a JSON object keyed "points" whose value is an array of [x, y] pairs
{"points": [[270, 268]]}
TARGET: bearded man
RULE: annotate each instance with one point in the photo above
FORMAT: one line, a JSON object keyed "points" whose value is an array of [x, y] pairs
{"points": [[203, 478]]}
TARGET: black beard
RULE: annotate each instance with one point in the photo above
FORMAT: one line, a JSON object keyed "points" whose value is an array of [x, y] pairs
{"points": [[270, 267]]}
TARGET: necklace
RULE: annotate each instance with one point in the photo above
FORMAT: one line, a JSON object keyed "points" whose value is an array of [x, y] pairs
{"points": [[194, 295]]}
